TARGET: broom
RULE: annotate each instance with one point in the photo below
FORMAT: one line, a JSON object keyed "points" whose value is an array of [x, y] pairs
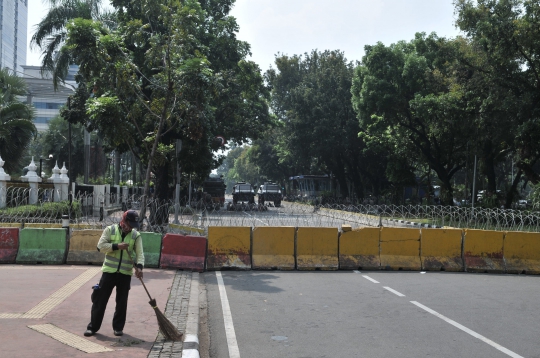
{"points": [[168, 330]]}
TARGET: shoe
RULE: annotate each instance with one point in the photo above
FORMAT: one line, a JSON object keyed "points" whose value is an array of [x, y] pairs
{"points": [[89, 333], [118, 333]]}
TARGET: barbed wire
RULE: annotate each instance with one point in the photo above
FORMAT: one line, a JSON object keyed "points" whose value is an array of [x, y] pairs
{"points": [[96, 211]]}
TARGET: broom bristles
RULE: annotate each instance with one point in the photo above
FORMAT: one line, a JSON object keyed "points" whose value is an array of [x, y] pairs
{"points": [[166, 328]]}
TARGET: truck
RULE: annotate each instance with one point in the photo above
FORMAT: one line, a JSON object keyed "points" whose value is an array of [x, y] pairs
{"points": [[243, 192], [215, 188], [269, 192]]}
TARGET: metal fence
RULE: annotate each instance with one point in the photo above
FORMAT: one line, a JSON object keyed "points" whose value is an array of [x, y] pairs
{"points": [[97, 211]]}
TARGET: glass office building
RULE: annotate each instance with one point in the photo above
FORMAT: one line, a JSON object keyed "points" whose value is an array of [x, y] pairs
{"points": [[13, 24]]}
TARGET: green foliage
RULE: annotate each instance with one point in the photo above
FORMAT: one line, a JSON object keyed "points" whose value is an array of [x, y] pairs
{"points": [[16, 126], [46, 210]]}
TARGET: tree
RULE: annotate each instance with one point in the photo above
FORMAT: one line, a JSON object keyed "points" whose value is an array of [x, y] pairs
{"points": [[507, 34], [51, 31], [407, 98], [169, 71], [311, 98], [16, 121]]}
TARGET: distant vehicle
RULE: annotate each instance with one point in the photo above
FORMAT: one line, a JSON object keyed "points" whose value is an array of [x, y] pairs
{"points": [[243, 192], [270, 192], [524, 204], [215, 187]]}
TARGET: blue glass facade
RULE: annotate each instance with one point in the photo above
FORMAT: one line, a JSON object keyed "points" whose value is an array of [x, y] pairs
{"points": [[13, 25]]}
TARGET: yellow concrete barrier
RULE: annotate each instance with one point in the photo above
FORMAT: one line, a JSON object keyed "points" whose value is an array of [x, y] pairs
{"points": [[19, 225], [483, 251], [317, 248], [522, 252], [440, 249], [43, 225], [400, 249], [273, 248], [229, 247], [359, 249], [83, 248]]}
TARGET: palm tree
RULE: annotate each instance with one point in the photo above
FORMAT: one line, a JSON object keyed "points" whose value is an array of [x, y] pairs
{"points": [[16, 120], [51, 32]]}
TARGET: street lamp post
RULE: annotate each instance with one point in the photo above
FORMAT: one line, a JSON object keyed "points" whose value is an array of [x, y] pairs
{"points": [[41, 164]]}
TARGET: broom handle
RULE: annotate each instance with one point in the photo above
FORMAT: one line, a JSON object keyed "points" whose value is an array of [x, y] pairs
{"points": [[140, 279]]}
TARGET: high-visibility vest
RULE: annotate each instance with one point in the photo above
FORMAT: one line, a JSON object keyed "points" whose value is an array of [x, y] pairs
{"points": [[118, 260]]}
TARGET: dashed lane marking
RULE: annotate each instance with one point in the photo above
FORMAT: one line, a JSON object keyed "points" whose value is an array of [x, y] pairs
{"points": [[469, 331], [69, 339], [48, 304], [394, 291], [369, 278]]}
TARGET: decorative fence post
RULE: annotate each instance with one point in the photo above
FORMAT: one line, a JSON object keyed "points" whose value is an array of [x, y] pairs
{"points": [[64, 185], [55, 179], [4, 178], [33, 179]]}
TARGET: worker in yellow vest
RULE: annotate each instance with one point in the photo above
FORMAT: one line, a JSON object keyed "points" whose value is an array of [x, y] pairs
{"points": [[117, 271]]}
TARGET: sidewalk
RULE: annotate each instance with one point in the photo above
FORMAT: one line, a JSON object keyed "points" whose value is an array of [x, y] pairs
{"points": [[44, 310]]}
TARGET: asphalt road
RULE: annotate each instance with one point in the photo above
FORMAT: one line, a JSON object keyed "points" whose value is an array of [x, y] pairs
{"points": [[260, 314]]}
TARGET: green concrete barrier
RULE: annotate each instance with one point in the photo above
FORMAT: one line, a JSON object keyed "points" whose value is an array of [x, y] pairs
{"points": [[46, 246], [152, 248]]}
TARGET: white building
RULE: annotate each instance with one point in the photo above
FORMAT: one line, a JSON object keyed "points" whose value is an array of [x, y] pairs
{"points": [[42, 95], [13, 24]]}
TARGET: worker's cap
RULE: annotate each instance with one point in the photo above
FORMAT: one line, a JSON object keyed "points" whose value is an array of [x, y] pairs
{"points": [[132, 218]]}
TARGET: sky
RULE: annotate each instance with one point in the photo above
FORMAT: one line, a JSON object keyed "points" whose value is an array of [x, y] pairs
{"points": [[294, 27]]}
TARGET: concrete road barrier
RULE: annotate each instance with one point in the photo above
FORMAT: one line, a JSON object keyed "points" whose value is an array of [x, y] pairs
{"points": [[183, 252], [440, 249], [9, 245], [522, 252], [229, 247], [359, 249], [400, 249], [151, 248], [273, 248], [317, 248], [483, 251], [83, 248], [47, 246]]}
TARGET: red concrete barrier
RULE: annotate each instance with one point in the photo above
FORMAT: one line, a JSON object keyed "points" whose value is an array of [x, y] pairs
{"points": [[183, 252], [9, 245]]}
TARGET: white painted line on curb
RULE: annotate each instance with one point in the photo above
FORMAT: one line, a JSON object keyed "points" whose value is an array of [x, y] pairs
{"points": [[234, 352], [394, 292], [190, 347], [369, 278], [469, 331]]}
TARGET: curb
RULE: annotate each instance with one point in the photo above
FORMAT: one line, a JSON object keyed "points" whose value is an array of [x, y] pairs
{"points": [[190, 348]]}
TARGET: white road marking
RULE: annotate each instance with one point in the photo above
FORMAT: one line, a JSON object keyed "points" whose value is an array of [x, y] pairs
{"points": [[469, 331], [356, 271], [369, 278], [394, 291], [234, 352], [251, 216]]}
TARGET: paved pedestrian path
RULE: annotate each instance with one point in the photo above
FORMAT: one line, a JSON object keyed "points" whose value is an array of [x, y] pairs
{"points": [[44, 310]]}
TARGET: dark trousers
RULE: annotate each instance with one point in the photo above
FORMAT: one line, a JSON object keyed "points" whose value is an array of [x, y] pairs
{"points": [[100, 297]]}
